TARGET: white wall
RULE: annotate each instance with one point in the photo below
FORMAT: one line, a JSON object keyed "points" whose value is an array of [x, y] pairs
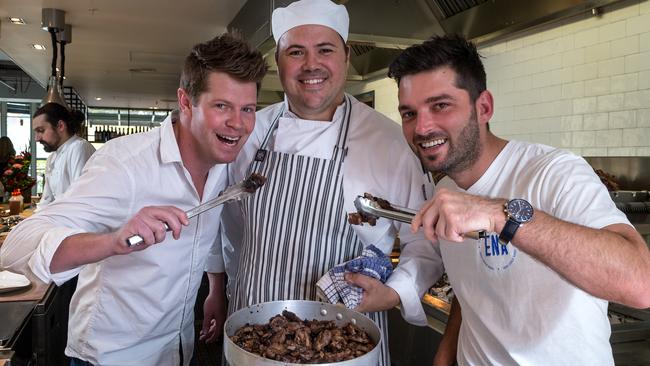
{"points": [[583, 85], [385, 96]]}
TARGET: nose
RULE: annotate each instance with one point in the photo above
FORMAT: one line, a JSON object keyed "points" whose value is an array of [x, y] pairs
{"points": [[235, 120], [424, 123], [311, 61]]}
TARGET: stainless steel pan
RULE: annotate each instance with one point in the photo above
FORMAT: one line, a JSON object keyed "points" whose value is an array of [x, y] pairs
{"points": [[261, 313]]}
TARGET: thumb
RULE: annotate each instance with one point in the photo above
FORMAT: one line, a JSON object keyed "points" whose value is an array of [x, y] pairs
{"points": [[206, 325], [358, 279]]}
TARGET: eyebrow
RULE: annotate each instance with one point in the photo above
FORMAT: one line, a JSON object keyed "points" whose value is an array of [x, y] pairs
{"points": [[429, 100], [322, 44]]}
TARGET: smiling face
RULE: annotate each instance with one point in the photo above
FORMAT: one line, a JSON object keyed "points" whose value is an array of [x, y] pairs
{"points": [[222, 118], [312, 63], [47, 134], [439, 121]]}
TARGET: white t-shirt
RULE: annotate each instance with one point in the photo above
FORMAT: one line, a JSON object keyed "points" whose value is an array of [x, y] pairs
{"points": [[516, 310], [63, 167]]}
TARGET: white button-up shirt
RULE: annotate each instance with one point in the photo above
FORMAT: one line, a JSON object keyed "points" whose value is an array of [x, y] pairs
{"points": [[130, 309], [64, 166], [379, 162]]}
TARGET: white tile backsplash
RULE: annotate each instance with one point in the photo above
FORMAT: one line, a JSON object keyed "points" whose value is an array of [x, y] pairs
{"points": [[625, 83], [612, 31], [625, 46], [583, 86], [600, 86], [638, 24], [614, 66], [596, 121]]}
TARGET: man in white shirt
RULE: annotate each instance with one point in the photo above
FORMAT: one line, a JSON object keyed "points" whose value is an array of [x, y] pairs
{"points": [[320, 148], [55, 127], [535, 290], [134, 306]]}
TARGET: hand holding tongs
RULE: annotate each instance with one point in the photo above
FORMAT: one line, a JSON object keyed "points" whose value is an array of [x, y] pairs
{"points": [[370, 208], [234, 192]]}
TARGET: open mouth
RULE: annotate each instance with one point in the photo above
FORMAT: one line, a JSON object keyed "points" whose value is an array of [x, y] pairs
{"points": [[232, 141], [312, 81], [430, 144]]}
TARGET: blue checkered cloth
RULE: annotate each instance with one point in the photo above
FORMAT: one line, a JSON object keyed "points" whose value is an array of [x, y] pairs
{"points": [[332, 286]]}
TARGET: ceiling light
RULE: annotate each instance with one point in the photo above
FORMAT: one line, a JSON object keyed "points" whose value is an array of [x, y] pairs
{"points": [[98, 98], [39, 47], [19, 21]]}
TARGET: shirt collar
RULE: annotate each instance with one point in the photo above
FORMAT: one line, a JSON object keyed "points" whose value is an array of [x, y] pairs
{"points": [[67, 143], [169, 151], [338, 114]]}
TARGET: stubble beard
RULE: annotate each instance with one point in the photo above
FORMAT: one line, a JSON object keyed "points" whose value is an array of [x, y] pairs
{"points": [[462, 154]]}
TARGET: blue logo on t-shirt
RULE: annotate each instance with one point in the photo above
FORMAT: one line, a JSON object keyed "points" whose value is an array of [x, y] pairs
{"points": [[495, 255]]}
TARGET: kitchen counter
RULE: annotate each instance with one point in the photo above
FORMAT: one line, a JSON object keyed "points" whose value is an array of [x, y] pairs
{"points": [[35, 331]]}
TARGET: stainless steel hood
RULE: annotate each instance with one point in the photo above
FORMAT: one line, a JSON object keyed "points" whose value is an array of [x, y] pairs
{"points": [[380, 29]]}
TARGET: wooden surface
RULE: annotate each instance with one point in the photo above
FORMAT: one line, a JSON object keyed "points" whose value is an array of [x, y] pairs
{"points": [[34, 292]]}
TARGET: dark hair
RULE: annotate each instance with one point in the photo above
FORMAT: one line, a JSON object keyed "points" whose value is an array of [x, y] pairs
{"points": [[227, 53], [444, 51], [55, 112], [7, 150]]}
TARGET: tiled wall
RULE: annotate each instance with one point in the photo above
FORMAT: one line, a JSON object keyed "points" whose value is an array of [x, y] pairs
{"points": [[582, 85]]}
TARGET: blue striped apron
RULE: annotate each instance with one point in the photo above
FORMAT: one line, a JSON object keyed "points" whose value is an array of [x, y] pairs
{"points": [[295, 228]]}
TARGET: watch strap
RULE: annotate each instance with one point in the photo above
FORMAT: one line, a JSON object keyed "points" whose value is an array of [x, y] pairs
{"points": [[509, 230]]}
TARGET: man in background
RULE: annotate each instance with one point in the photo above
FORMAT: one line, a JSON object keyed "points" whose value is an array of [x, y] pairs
{"points": [[55, 127]]}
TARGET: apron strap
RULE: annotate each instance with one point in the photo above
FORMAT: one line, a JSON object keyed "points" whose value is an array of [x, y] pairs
{"points": [[339, 150]]}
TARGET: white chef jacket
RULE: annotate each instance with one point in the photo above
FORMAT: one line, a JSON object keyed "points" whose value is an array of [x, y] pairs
{"points": [[516, 310], [64, 166], [130, 309], [379, 162]]}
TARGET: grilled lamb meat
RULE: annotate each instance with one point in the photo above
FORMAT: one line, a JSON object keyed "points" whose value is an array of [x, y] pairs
{"points": [[287, 338]]}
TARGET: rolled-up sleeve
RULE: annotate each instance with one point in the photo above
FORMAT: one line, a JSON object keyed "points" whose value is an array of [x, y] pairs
{"points": [[420, 266], [31, 246]]}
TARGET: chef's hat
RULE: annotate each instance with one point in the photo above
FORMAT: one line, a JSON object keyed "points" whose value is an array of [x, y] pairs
{"points": [[319, 12]]}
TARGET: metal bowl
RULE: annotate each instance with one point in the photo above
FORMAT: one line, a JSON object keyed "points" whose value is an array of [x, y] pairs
{"points": [[261, 313]]}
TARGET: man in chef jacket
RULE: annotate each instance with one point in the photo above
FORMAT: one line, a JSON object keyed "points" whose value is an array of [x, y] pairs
{"points": [[55, 127], [135, 305], [535, 289], [320, 148]]}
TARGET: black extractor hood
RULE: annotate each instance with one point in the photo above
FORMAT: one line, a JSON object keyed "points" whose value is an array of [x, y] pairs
{"points": [[380, 29]]}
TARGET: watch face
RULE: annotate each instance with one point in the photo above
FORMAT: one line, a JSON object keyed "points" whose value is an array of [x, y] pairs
{"points": [[520, 210]]}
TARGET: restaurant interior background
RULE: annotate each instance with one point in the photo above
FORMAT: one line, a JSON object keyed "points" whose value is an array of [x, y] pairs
{"points": [[574, 74]]}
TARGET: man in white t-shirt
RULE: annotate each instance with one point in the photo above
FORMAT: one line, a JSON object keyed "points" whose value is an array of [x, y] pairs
{"points": [[535, 290], [55, 127]]}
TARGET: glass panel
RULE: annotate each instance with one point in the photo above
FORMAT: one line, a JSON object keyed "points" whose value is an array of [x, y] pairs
{"points": [[18, 130]]}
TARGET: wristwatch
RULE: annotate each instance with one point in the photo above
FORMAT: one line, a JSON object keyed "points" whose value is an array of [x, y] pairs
{"points": [[518, 212]]}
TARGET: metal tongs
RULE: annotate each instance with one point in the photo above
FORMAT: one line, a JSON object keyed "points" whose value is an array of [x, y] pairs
{"points": [[234, 192], [370, 208]]}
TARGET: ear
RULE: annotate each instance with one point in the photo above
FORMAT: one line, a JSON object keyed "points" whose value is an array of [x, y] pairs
{"points": [[484, 107], [60, 126], [184, 101]]}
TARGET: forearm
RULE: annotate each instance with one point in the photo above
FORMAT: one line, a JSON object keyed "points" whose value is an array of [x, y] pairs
{"points": [[611, 263], [81, 249], [446, 354], [216, 283]]}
